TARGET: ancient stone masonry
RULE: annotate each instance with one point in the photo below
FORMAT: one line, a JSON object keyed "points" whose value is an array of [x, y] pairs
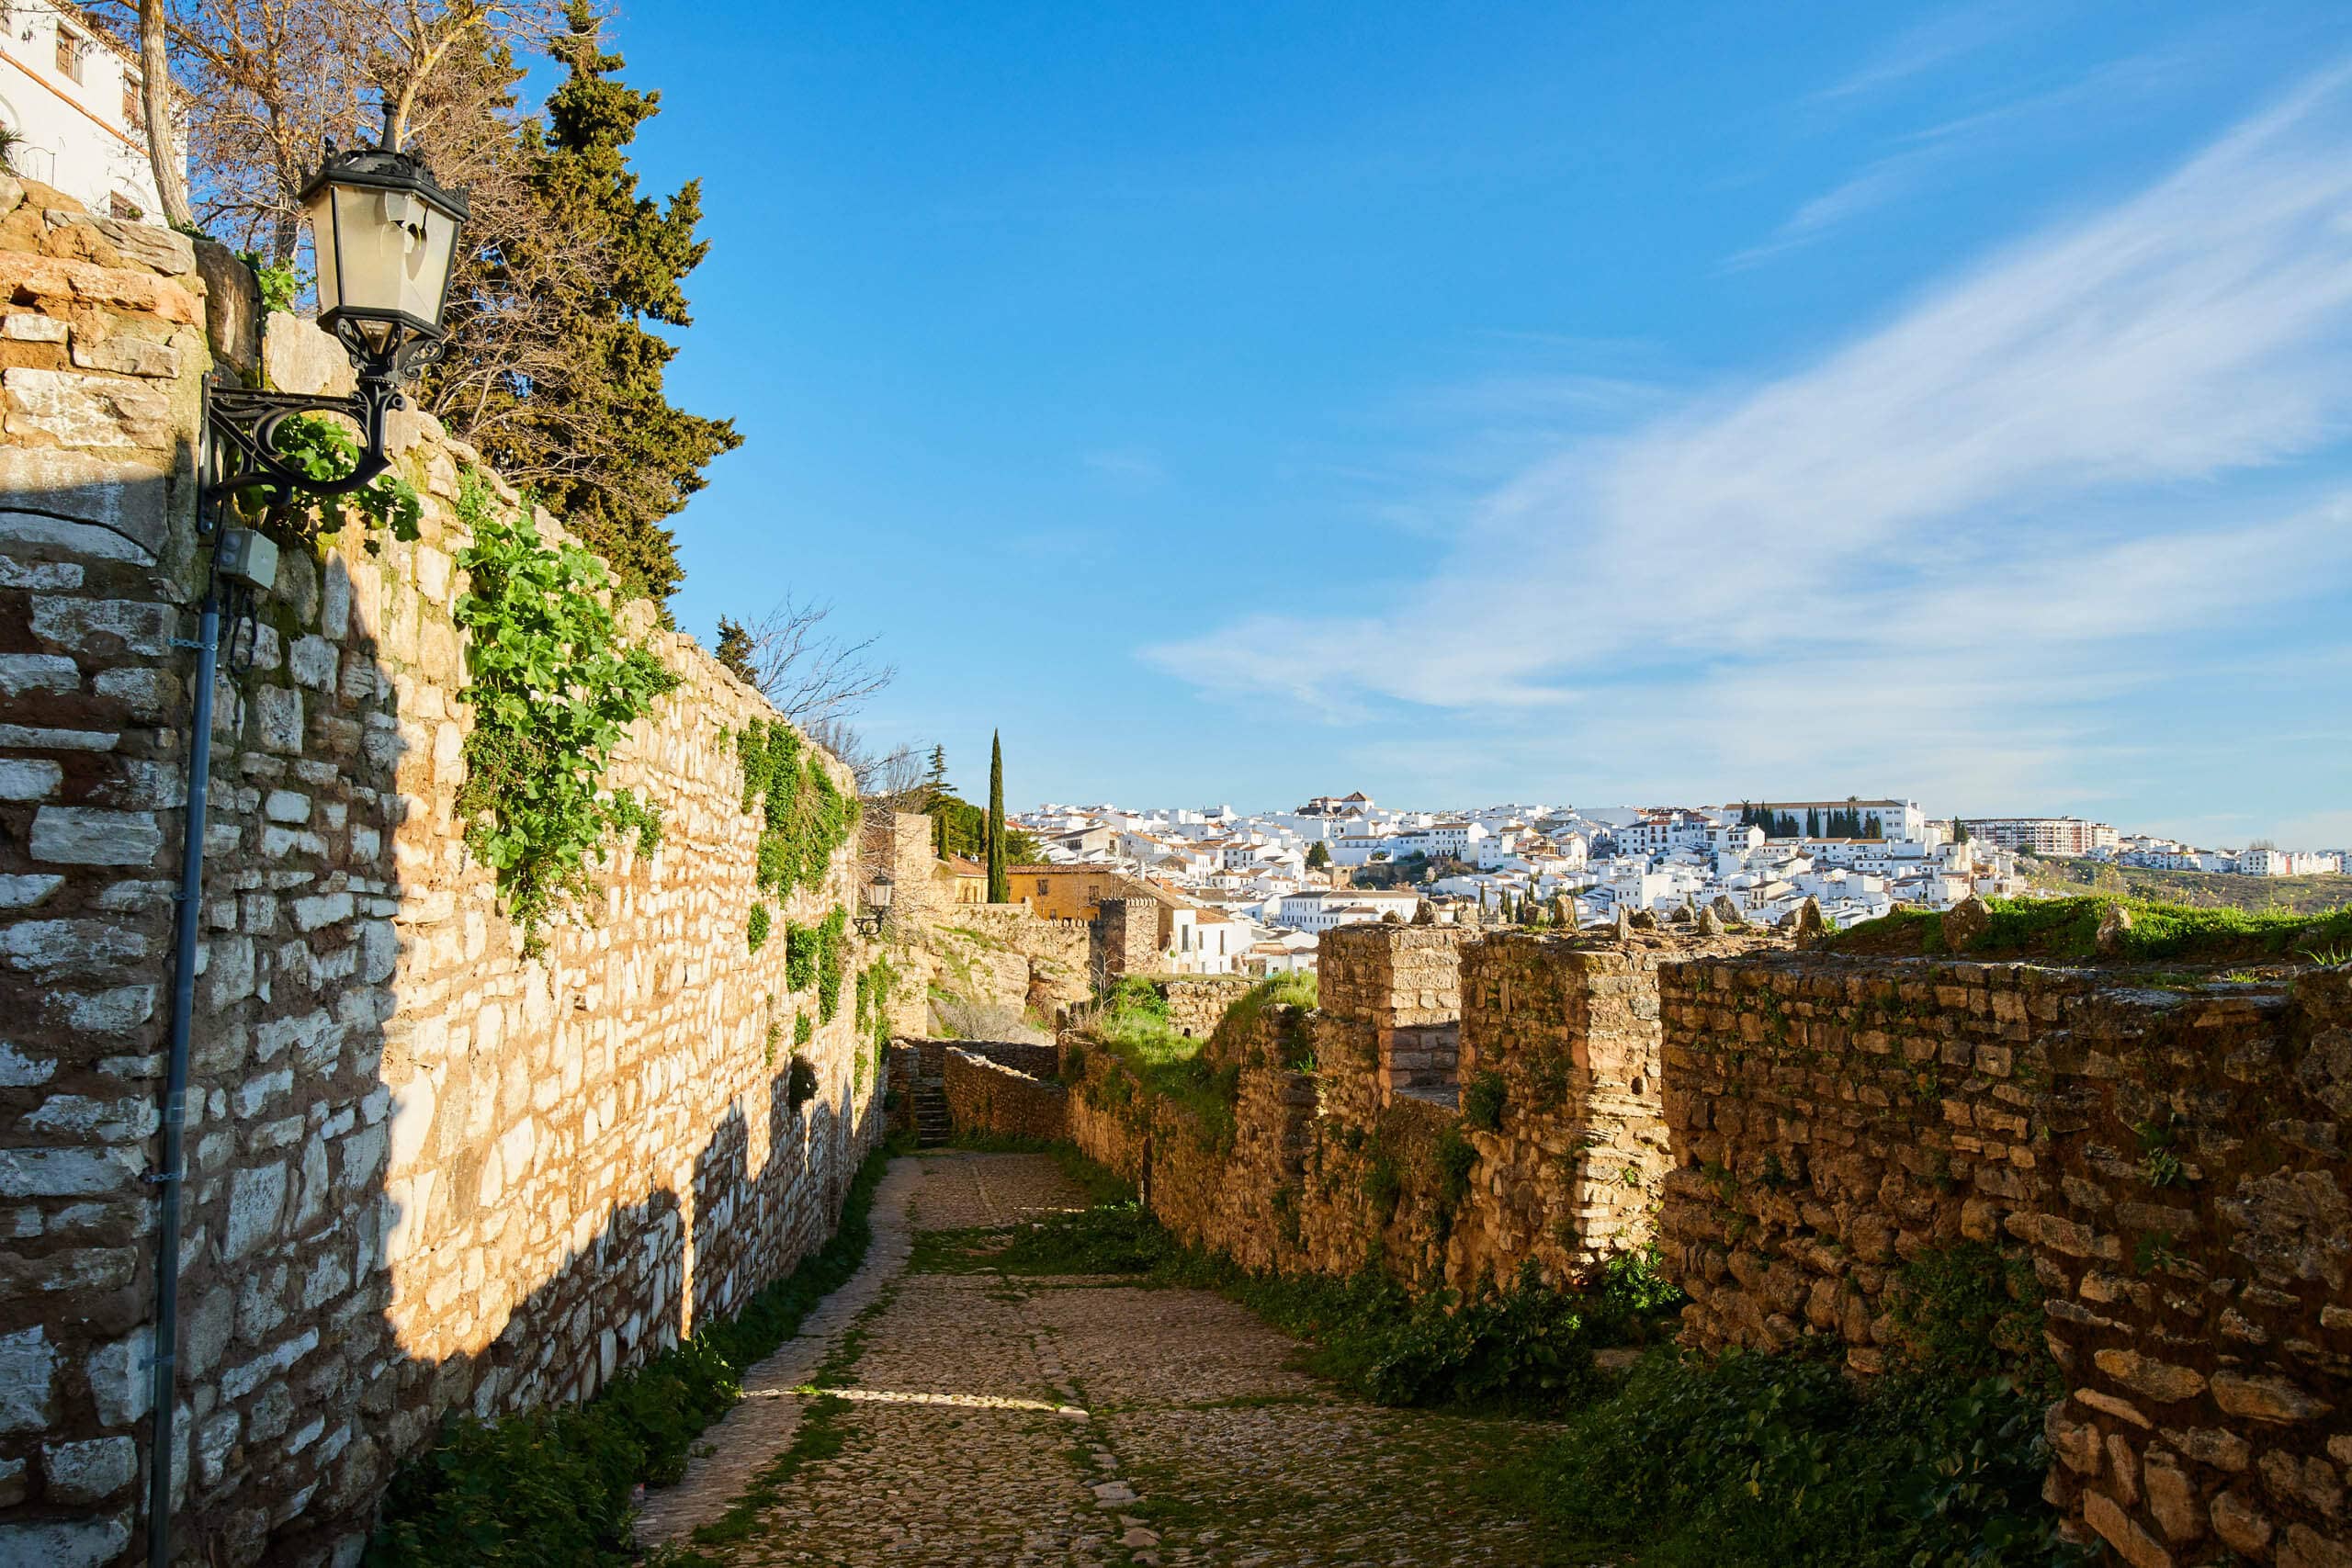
{"points": [[2169, 1161], [1561, 1084], [425, 1174], [1196, 1005], [1123, 940], [1365, 1155], [999, 955], [1406, 985], [1833, 1117], [992, 1100]]}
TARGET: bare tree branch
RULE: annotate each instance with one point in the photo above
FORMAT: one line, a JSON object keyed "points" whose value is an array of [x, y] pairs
{"points": [[811, 676]]}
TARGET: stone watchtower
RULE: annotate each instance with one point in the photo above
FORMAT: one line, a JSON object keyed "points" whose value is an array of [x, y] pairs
{"points": [[1124, 939]]}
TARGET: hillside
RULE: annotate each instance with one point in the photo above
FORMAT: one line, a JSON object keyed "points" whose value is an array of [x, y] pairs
{"points": [[2203, 890]]}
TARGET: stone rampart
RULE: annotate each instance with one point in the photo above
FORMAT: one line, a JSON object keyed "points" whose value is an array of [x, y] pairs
{"points": [[425, 1172], [1197, 1004], [1562, 1096], [1404, 983], [2168, 1161], [989, 1099]]}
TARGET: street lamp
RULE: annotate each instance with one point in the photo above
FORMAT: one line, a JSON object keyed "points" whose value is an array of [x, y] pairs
{"points": [[878, 901], [386, 236]]}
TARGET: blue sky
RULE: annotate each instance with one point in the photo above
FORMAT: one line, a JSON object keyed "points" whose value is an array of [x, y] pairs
{"points": [[1581, 403]]}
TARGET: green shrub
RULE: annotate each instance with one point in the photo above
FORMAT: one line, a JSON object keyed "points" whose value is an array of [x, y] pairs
{"points": [[1782, 1461], [1481, 1102], [2066, 930], [551, 1489], [755, 930]]}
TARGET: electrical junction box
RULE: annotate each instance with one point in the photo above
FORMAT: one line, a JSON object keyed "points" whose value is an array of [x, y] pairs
{"points": [[244, 555]]}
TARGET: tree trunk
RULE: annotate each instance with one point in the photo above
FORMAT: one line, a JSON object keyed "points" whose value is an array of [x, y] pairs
{"points": [[155, 96]]}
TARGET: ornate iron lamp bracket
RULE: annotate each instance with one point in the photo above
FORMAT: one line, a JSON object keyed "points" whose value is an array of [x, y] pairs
{"points": [[240, 446]]}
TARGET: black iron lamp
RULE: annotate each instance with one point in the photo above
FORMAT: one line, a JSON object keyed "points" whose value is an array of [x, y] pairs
{"points": [[878, 901], [386, 237]]}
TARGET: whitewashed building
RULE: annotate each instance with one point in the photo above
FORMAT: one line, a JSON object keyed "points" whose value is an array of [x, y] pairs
{"points": [[72, 95]]}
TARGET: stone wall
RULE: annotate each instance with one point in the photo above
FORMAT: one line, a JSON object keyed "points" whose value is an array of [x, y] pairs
{"points": [[424, 1172], [1353, 1162], [990, 1099], [1406, 983], [2168, 1160], [1125, 939], [1002, 956], [1197, 1004], [1560, 1066]]}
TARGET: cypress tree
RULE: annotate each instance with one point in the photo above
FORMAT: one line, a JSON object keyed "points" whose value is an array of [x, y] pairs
{"points": [[1000, 887]]}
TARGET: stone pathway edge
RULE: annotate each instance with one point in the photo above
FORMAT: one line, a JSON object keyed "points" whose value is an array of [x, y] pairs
{"points": [[732, 1452]]}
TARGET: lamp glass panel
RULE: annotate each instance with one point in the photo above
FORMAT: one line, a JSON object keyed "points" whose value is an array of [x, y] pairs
{"points": [[394, 248], [320, 212], [371, 253]]}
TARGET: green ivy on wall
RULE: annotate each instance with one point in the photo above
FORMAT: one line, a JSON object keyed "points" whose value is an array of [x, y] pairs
{"points": [[325, 450], [873, 1014], [805, 816], [815, 956], [553, 688]]}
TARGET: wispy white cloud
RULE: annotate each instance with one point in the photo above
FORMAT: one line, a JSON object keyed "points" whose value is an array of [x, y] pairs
{"points": [[1878, 184], [1924, 46], [2028, 473], [1920, 157]]}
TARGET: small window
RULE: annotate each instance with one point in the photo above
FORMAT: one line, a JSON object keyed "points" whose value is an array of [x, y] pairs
{"points": [[69, 55], [134, 106]]}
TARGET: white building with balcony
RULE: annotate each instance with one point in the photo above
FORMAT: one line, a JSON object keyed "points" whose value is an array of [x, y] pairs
{"points": [[72, 96]]}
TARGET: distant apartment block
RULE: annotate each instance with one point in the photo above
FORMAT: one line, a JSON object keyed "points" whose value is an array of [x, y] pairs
{"points": [[2060, 836], [71, 95]]}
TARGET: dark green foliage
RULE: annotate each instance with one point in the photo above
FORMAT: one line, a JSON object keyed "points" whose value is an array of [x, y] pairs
{"points": [[832, 956], [551, 1489], [1754, 1461], [1457, 1157], [325, 449], [1975, 1311], [2066, 930], [755, 930], [875, 982], [799, 956], [280, 285], [804, 1029], [817, 956], [590, 426], [1481, 1102], [553, 689], [1318, 855], [734, 650], [1000, 890]]}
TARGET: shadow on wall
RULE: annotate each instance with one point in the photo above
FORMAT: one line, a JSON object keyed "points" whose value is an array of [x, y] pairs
{"points": [[424, 1174]]}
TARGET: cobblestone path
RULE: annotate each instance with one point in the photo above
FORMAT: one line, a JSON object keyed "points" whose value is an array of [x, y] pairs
{"points": [[973, 1418]]}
